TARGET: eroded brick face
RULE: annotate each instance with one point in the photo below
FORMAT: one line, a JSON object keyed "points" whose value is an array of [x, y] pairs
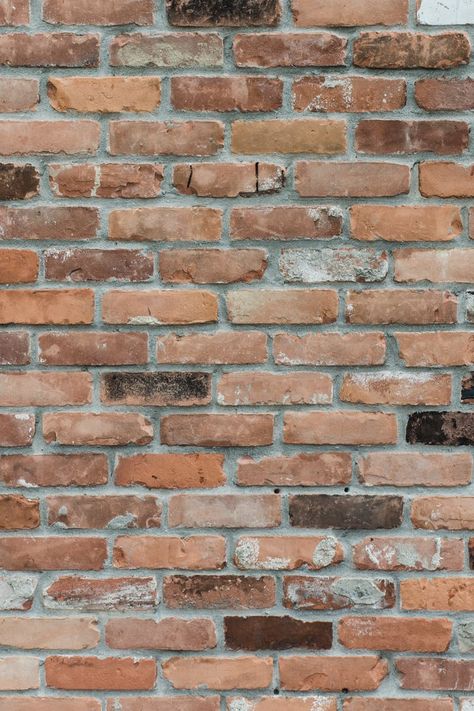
{"points": [[236, 355]]}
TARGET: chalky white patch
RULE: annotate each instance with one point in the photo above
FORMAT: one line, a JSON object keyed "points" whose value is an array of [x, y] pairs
{"points": [[446, 12]]}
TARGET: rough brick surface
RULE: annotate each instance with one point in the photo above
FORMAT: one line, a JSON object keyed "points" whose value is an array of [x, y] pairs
{"points": [[236, 355]]}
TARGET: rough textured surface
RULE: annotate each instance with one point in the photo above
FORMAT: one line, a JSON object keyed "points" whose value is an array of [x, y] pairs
{"points": [[236, 355]]}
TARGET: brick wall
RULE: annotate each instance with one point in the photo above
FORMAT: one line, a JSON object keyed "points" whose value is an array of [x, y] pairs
{"points": [[237, 346]]}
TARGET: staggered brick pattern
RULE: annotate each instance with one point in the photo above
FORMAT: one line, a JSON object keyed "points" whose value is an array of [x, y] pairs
{"points": [[237, 355]]}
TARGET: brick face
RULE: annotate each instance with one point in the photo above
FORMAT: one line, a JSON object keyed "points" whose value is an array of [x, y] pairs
{"points": [[236, 355]]}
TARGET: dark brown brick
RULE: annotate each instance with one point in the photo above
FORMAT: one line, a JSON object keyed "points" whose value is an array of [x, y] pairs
{"points": [[443, 428], [208, 13], [333, 511], [471, 553], [18, 182], [53, 49], [219, 591], [253, 633], [467, 389], [156, 388], [410, 50], [98, 265], [302, 592]]}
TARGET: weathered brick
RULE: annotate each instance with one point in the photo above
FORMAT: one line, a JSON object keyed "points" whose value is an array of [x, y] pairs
{"points": [[156, 388], [112, 512], [395, 634], [292, 222], [93, 348], [436, 348], [446, 180], [333, 265], [387, 388], [39, 389], [48, 222], [228, 179], [332, 673], [17, 512], [445, 94], [48, 703], [451, 513], [52, 553], [329, 349], [18, 266], [409, 554], [14, 348], [110, 429], [18, 182], [75, 592], [170, 703], [314, 179], [106, 180], [17, 591], [395, 704], [407, 306], [415, 469], [320, 136], [149, 308], [224, 511], [348, 94], [166, 224], [436, 674], [49, 633], [98, 265], [15, 13], [16, 430], [224, 347], [282, 306], [190, 49], [447, 594], [219, 592], [247, 388], [339, 427], [406, 224], [170, 633], [218, 673], [33, 470], [212, 266], [444, 428], [287, 553], [19, 673], [411, 50], [27, 137], [217, 430], [94, 673]]}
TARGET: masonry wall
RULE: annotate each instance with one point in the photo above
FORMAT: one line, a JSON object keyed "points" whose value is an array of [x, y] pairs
{"points": [[237, 352]]}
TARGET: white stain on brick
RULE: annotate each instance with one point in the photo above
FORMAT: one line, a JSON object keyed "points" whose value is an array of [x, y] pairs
{"points": [[446, 12]]}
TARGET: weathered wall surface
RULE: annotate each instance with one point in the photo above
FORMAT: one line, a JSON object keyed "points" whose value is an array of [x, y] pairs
{"points": [[237, 349]]}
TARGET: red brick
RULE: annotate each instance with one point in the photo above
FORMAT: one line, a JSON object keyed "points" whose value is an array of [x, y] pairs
{"points": [[321, 469], [14, 348], [16, 430], [212, 266], [388, 388], [96, 594], [436, 348], [292, 49], [329, 349], [189, 49], [49, 223], [49, 49], [340, 427], [284, 703], [19, 673], [170, 471], [445, 94], [415, 469], [104, 94], [332, 673], [18, 266], [166, 224], [113, 512], [60, 307], [401, 306], [339, 179], [145, 138], [396, 634], [190, 553], [320, 136], [412, 265], [153, 308], [331, 593], [170, 633], [96, 429], [94, 673], [282, 306], [348, 94], [406, 223], [239, 347], [87, 12], [93, 348], [49, 633], [446, 180], [228, 179], [168, 703], [98, 265], [17, 512], [428, 704], [15, 13], [292, 222], [309, 13], [39, 389], [218, 673], [48, 703], [376, 137], [445, 594], [26, 137], [33, 470], [247, 388], [436, 674], [52, 553], [411, 50], [226, 93], [451, 513], [106, 180], [217, 430]]}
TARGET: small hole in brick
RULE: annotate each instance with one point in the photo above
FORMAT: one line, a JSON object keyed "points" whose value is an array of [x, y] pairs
{"points": [[346, 489], [345, 691], [276, 691], [276, 491]]}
